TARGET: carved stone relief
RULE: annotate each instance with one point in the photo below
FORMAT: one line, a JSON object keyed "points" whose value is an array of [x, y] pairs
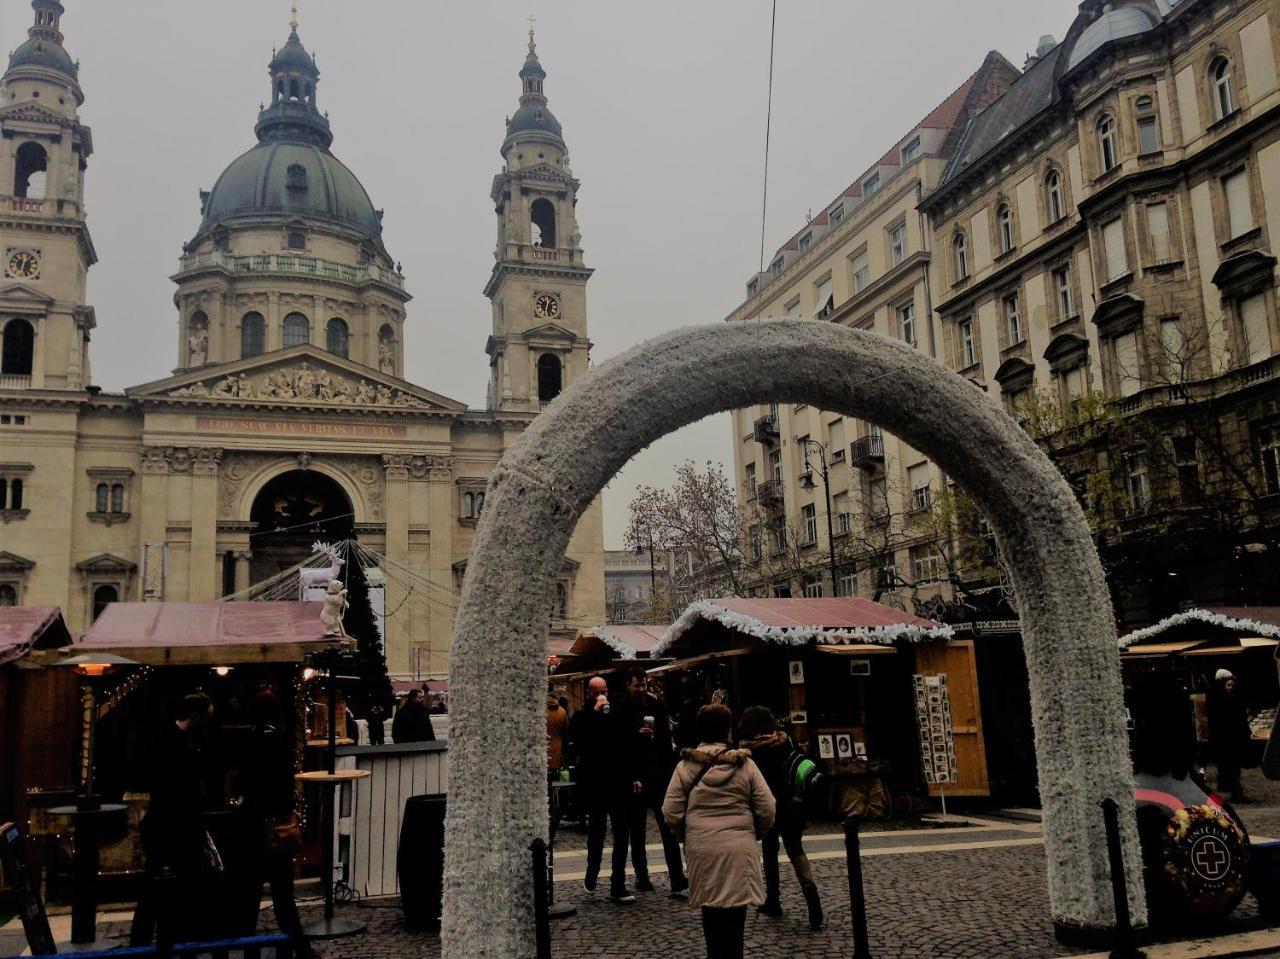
{"points": [[303, 383]]}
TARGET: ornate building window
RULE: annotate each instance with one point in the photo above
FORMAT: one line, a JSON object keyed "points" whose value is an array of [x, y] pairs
{"points": [[296, 240], [297, 330], [19, 348], [8, 594], [13, 489], [253, 335], [336, 337], [1108, 153], [960, 256], [1148, 131], [1054, 205], [103, 597], [542, 216], [1004, 227], [29, 173], [550, 376], [1224, 101]]}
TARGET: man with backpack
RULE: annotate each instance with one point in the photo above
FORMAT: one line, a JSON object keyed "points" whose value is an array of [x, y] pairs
{"points": [[793, 779]]}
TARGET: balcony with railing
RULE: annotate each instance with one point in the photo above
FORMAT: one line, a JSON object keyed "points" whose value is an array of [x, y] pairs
{"points": [[766, 428], [290, 263], [769, 493], [867, 452], [15, 381]]}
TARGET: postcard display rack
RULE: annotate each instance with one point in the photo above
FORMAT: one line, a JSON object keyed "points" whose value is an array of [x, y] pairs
{"points": [[937, 745]]}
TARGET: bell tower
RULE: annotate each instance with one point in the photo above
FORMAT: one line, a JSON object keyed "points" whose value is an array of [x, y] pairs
{"points": [[44, 241], [538, 287]]}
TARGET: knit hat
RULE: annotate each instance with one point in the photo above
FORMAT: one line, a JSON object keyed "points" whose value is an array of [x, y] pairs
{"points": [[1223, 674]]}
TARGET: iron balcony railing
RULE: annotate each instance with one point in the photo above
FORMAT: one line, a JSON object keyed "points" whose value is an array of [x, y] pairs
{"points": [[867, 451]]}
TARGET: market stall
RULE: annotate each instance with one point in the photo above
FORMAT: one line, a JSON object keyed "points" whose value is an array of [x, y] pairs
{"points": [[609, 651], [839, 670]]}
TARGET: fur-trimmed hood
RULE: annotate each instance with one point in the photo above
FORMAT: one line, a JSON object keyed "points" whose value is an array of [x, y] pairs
{"points": [[716, 754]]}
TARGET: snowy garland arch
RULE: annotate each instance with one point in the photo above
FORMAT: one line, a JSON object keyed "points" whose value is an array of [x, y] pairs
{"points": [[548, 478], [1205, 616]]}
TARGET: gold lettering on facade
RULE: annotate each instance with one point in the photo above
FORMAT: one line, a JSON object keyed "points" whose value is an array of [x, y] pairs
{"points": [[239, 424]]}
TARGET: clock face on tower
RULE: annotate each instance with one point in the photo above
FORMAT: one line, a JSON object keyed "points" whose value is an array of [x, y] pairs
{"points": [[546, 306], [23, 264]]}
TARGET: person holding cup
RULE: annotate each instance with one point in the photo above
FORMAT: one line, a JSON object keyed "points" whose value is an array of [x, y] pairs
{"points": [[644, 717]]}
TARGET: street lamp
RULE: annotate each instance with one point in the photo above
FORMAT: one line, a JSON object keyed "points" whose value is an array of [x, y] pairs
{"points": [[807, 482]]}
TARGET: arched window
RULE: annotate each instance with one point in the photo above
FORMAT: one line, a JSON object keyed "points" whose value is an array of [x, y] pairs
{"points": [[19, 348], [1224, 101], [479, 504], [1053, 196], [117, 498], [102, 498], [253, 334], [1107, 152], [296, 240], [297, 330], [543, 217], [8, 595], [336, 337], [549, 380], [29, 171], [103, 597], [295, 90], [279, 89], [15, 494], [960, 250], [1004, 224], [468, 505]]}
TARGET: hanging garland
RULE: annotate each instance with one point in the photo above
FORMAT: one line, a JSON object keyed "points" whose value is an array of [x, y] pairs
{"points": [[794, 635], [624, 650], [1199, 616]]}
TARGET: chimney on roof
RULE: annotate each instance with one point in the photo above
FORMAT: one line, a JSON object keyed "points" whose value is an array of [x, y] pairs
{"points": [[1047, 43]]}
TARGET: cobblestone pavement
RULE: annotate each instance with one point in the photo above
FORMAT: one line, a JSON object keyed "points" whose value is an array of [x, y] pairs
{"points": [[950, 893]]}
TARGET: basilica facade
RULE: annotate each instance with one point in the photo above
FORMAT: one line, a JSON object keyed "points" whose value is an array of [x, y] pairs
{"points": [[287, 418]]}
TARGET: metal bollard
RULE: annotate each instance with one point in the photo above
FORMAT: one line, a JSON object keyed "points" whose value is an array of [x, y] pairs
{"points": [[1124, 945], [857, 899], [541, 921]]}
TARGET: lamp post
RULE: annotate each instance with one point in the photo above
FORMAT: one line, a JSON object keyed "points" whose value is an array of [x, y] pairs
{"points": [[89, 810], [807, 483]]}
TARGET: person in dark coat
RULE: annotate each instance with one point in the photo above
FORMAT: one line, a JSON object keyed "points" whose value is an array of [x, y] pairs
{"points": [[644, 721], [793, 778], [174, 839], [1229, 732], [607, 777], [376, 721], [266, 783], [413, 723]]}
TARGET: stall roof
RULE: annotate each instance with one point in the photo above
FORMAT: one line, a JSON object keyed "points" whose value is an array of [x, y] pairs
{"points": [[24, 628], [1208, 623], [209, 633], [623, 640], [797, 622]]}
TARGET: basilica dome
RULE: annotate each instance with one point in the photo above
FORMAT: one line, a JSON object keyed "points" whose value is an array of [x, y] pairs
{"points": [[283, 177]]}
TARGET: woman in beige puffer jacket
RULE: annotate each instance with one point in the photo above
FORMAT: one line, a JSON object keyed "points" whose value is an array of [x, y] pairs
{"points": [[718, 805]]}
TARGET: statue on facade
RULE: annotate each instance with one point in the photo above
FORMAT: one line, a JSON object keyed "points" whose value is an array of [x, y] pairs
{"points": [[244, 388], [324, 385], [386, 357], [342, 390], [335, 604], [306, 382], [364, 393], [383, 397], [198, 347], [227, 386]]}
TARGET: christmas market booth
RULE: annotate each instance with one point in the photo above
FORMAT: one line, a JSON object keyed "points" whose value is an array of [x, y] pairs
{"points": [[39, 741], [153, 655], [609, 651], [866, 687], [1185, 651]]}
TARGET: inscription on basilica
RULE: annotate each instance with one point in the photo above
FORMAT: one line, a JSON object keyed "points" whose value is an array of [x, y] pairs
{"points": [[242, 424]]}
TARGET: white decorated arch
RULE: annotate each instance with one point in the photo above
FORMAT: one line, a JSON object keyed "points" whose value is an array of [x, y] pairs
{"points": [[497, 792]]}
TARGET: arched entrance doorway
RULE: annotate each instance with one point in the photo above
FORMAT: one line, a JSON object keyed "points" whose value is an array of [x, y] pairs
{"points": [[497, 800], [291, 512]]}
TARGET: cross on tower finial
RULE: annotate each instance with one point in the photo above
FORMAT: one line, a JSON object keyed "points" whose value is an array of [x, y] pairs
{"points": [[531, 23], [293, 20]]}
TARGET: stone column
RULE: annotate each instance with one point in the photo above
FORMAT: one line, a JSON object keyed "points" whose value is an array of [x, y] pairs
{"points": [[440, 493], [242, 558], [205, 569], [275, 336], [221, 346], [395, 467], [154, 516]]}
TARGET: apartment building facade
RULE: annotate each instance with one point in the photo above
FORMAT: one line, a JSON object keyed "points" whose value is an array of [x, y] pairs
{"points": [[1105, 271], [863, 261]]}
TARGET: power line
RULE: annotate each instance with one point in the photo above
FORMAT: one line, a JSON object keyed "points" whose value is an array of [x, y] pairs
{"points": [[768, 123]]}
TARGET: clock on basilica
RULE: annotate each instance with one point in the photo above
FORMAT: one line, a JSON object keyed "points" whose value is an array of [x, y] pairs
{"points": [[287, 417]]}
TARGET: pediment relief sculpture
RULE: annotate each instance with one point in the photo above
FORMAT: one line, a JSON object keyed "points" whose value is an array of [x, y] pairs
{"points": [[303, 383]]}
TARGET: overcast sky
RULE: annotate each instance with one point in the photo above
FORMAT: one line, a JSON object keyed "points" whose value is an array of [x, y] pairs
{"points": [[663, 108]]}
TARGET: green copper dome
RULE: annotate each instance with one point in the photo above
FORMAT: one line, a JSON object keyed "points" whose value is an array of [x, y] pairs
{"points": [[284, 178]]}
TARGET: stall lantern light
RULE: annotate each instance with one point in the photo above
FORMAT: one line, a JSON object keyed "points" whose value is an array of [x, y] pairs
{"points": [[222, 671], [309, 673], [93, 665]]}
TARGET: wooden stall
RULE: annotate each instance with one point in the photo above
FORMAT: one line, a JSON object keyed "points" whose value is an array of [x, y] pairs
{"points": [[609, 651]]}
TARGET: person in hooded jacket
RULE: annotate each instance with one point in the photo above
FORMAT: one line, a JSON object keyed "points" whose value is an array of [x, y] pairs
{"points": [[718, 804], [794, 779]]}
